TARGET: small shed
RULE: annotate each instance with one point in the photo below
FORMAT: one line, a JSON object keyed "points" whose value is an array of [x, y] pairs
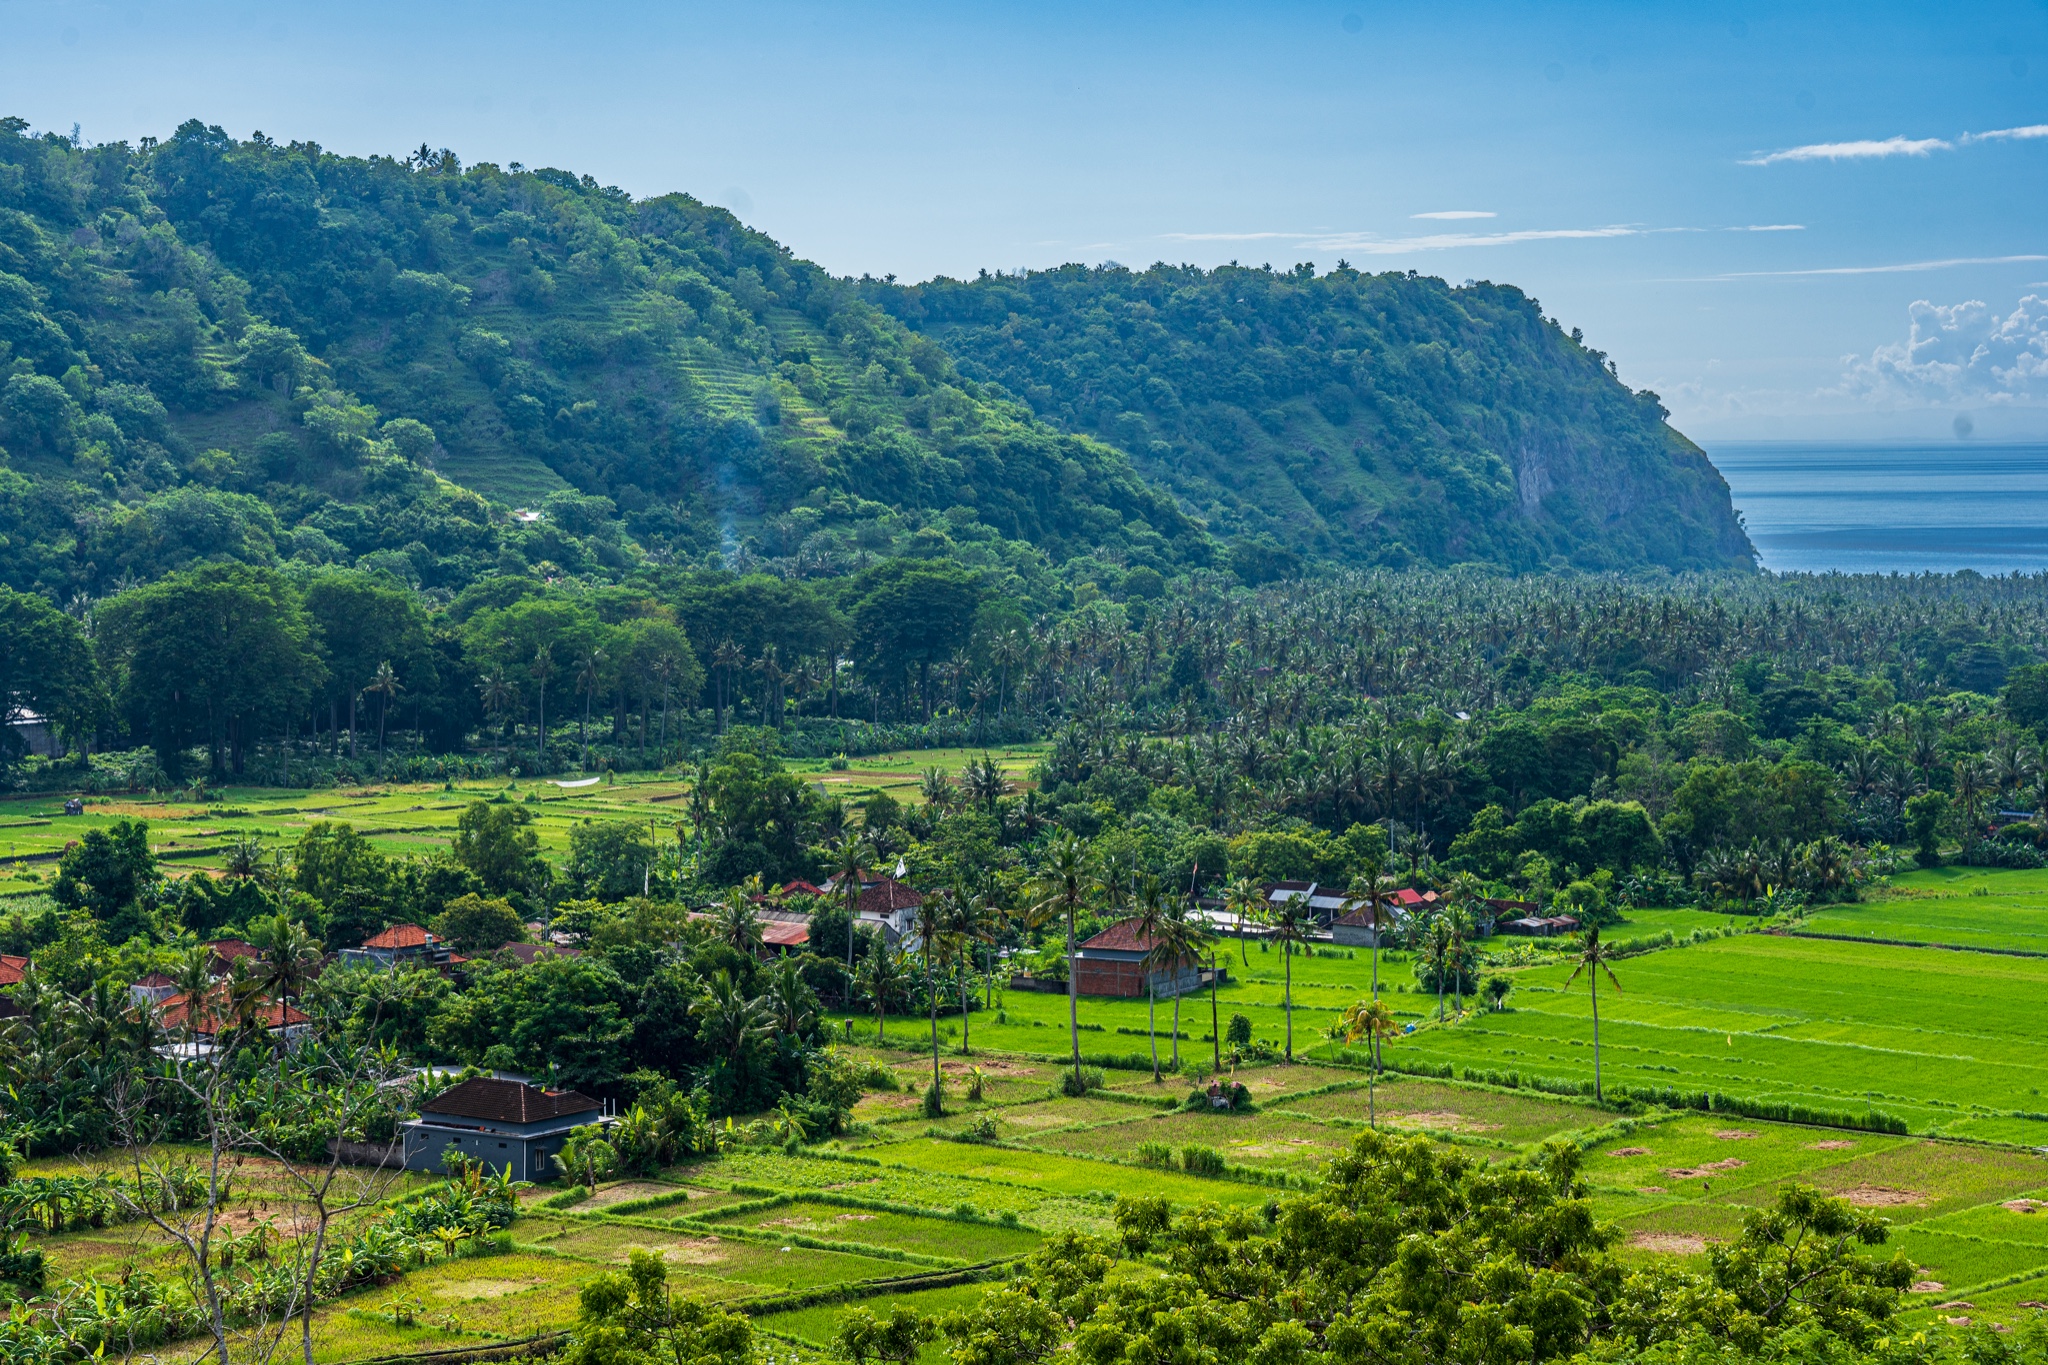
{"points": [[507, 1125], [1112, 963]]}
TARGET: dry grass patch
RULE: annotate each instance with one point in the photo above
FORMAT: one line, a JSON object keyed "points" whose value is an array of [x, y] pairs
{"points": [[1882, 1197], [1671, 1243], [1705, 1169], [628, 1189]]}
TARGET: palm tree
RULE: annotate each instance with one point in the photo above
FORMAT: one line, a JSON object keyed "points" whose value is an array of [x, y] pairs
{"points": [[729, 1021], [1442, 946], [1057, 892], [1148, 928], [387, 687], [880, 975], [846, 866], [290, 957], [589, 674], [1371, 1020], [1592, 954], [1374, 890], [791, 1000], [542, 668], [736, 924], [499, 694], [933, 919], [970, 920], [1244, 899], [1290, 921], [1182, 939]]}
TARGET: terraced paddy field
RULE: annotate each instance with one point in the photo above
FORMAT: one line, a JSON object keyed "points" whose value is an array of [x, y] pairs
{"points": [[1943, 1040], [898, 1213]]}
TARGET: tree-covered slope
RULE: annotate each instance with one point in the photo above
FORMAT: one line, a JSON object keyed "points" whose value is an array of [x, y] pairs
{"points": [[248, 350], [1381, 418]]}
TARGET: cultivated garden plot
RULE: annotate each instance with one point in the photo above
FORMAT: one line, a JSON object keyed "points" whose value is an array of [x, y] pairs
{"points": [[1962, 907], [816, 1327], [1412, 1103], [1943, 1040], [944, 1238]]}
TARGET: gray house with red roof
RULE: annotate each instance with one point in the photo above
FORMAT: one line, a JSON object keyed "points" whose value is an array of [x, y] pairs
{"points": [[507, 1125], [1113, 963]]}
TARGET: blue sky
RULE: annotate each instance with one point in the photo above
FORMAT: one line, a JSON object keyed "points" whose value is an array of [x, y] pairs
{"points": [[1624, 157]]}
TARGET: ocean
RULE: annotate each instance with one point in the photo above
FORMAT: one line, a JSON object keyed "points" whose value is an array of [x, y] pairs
{"points": [[1879, 507]]}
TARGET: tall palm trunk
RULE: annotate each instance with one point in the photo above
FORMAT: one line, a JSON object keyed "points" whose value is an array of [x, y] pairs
{"points": [[1215, 1027], [1152, 1022], [1596, 1037], [932, 997], [1176, 1024], [1073, 1001], [1288, 954]]}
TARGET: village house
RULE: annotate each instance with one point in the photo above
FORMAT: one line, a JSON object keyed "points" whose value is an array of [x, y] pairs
{"points": [[507, 1125], [1113, 963], [886, 903], [11, 970], [401, 943]]}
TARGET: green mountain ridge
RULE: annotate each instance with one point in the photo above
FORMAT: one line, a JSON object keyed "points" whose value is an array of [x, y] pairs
{"points": [[1387, 418], [213, 348]]}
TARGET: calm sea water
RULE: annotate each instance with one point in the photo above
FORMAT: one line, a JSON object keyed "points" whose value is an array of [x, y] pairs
{"points": [[1879, 508]]}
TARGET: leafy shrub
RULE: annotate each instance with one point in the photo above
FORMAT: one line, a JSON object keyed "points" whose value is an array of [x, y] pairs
{"points": [[983, 1129], [1197, 1160], [935, 1100], [1155, 1154], [1075, 1084], [1239, 1033]]}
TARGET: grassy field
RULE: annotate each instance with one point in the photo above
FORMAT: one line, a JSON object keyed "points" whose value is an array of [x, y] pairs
{"points": [[1963, 907], [415, 818]]}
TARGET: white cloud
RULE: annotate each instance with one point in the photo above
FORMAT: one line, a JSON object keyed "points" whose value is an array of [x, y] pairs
{"points": [[1771, 227], [1452, 214], [1864, 150], [2026, 134], [1225, 236], [1899, 268], [1449, 241], [1960, 352]]}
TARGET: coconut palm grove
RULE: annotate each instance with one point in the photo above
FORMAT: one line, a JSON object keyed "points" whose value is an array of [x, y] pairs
{"points": [[576, 786]]}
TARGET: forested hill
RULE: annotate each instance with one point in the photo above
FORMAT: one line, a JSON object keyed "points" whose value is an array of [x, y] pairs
{"points": [[1385, 418], [213, 348], [218, 349]]}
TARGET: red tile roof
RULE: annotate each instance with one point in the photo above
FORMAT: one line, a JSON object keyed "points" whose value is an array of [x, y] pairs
{"points": [[212, 1015], [784, 934], [888, 895], [400, 936], [496, 1101], [11, 969], [1408, 896], [155, 981], [1121, 937], [800, 888]]}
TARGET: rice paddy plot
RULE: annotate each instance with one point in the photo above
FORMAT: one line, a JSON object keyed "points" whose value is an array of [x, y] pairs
{"points": [[818, 1326], [1269, 1141], [1410, 1102], [1057, 1174], [1944, 1040], [946, 1237], [1918, 1180], [1964, 907], [1960, 1263], [772, 1268], [1696, 1156]]}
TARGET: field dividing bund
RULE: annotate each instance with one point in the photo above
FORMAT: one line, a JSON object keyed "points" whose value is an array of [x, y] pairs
{"points": [[1946, 1041]]}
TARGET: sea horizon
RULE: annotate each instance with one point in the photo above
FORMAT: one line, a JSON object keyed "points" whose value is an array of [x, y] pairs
{"points": [[1901, 506]]}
